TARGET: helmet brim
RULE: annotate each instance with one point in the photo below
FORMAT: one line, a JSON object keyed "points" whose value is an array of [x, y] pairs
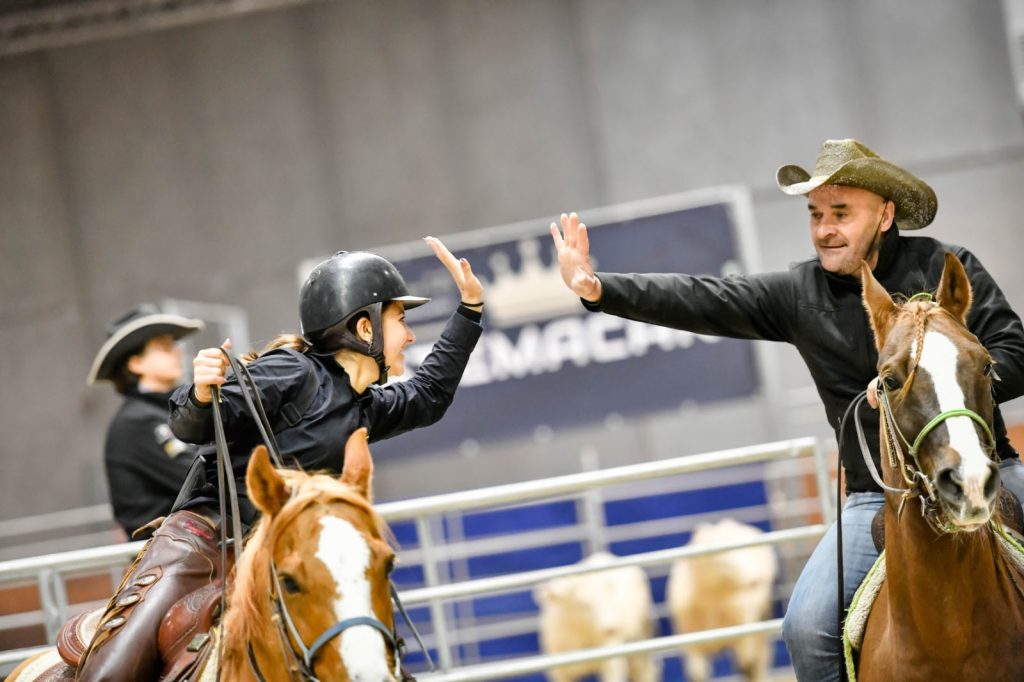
{"points": [[410, 302]]}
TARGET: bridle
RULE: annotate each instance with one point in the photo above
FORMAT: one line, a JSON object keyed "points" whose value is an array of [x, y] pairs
{"points": [[917, 482], [302, 656], [292, 645]]}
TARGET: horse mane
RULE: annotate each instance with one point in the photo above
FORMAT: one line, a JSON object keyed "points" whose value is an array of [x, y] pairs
{"points": [[248, 607]]}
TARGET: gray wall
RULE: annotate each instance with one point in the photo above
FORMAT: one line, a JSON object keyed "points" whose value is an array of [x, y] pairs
{"points": [[204, 162]]}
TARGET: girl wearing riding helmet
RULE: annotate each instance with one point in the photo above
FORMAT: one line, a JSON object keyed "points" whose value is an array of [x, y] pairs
{"points": [[317, 389]]}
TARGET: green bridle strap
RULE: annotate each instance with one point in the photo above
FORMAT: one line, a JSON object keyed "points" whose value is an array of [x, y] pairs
{"points": [[949, 414]]}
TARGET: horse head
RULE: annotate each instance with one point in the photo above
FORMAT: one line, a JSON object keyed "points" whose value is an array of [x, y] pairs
{"points": [[935, 391], [318, 567]]}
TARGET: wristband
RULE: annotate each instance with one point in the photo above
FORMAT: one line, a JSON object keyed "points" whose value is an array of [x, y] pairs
{"points": [[471, 314]]}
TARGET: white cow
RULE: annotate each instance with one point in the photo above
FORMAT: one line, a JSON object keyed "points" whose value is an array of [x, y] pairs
{"points": [[720, 590], [612, 606]]}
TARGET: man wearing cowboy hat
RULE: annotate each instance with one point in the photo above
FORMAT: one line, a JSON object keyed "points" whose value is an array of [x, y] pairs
{"points": [[858, 203], [145, 463]]}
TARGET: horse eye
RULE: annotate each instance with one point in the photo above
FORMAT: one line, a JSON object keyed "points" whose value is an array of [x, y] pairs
{"points": [[890, 383], [988, 370], [389, 565], [290, 585]]}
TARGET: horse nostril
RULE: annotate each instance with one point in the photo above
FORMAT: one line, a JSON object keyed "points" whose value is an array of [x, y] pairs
{"points": [[992, 484], [950, 484]]}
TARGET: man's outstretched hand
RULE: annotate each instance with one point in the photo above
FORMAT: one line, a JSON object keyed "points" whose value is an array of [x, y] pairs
{"points": [[573, 248]]}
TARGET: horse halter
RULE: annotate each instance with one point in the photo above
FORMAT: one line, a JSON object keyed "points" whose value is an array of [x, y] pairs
{"points": [[918, 484]]}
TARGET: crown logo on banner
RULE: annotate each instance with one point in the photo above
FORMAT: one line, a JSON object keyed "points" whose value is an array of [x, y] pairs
{"points": [[534, 292]]}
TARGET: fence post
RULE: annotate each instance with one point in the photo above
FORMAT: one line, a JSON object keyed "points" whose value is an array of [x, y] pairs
{"points": [[825, 495], [591, 505], [437, 615], [48, 603]]}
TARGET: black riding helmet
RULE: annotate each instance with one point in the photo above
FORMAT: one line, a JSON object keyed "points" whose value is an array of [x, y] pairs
{"points": [[343, 287]]}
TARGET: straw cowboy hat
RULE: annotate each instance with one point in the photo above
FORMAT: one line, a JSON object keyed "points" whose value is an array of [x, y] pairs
{"points": [[850, 163], [128, 333]]}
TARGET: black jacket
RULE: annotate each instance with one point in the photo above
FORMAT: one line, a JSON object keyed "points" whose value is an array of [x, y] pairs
{"points": [[317, 440], [822, 315], [145, 463]]}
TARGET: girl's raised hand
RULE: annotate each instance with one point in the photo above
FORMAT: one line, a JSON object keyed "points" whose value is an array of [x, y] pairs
{"points": [[470, 289]]}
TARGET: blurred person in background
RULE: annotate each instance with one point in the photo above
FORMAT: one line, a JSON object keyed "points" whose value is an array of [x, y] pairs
{"points": [[317, 389], [145, 463], [857, 204]]}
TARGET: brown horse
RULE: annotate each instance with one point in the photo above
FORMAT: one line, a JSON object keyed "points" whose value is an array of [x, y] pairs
{"points": [[311, 597], [952, 605]]}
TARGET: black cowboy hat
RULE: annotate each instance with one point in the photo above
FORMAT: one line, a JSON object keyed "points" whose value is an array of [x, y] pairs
{"points": [[851, 163], [129, 332]]}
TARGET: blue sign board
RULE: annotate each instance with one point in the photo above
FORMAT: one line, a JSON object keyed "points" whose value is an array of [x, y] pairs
{"points": [[545, 362]]}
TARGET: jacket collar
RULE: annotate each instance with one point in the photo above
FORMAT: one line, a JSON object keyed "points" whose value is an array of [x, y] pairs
{"points": [[156, 397]]}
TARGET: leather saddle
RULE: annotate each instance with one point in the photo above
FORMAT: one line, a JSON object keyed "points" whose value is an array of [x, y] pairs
{"points": [[1008, 508], [184, 639]]}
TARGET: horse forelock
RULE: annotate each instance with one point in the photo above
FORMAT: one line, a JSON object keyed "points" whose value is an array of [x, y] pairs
{"points": [[913, 317], [249, 614], [328, 490]]}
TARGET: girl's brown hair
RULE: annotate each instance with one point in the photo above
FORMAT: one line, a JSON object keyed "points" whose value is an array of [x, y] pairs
{"points": [[292, 341]]}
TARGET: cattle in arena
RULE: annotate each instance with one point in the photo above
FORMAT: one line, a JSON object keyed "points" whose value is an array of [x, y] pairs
{"points": [[721, 590], [607, 607]]}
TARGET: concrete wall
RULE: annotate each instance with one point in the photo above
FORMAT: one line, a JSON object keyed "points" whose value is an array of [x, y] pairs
{"points": [[204, 162]]}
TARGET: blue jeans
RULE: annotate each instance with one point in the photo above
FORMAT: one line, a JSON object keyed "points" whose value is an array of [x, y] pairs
{"points": [[810, 627]]}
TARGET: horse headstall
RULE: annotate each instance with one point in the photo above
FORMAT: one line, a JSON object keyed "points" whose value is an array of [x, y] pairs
{"points": [[919, 485]]}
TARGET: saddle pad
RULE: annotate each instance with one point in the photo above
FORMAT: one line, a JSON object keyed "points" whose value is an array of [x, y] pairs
{"points": [[49, 667], [860, 608], [1011, 544], [208, 672]]}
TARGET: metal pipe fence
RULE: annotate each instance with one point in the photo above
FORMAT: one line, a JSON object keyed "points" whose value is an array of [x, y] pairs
{"points": [[49, 571], [534, 664]]}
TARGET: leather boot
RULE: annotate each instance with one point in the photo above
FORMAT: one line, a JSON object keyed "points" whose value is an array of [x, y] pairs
{"points": [[182, 556]]}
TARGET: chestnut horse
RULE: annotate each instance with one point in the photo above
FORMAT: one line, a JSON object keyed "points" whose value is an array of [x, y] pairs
{"points": [[952, 605], [311, 596]]}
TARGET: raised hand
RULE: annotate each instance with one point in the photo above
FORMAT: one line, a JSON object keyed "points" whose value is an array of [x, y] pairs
{"points": [[872, 393], [208, 369], [470, 289], [573, 246]]}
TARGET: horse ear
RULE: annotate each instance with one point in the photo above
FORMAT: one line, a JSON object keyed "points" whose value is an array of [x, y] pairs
{"points": [[357, 473], [267, 489], [879, 304], [954, 293]]}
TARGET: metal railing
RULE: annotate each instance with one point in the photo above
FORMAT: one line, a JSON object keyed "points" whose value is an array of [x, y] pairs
{"points": [[48, 571], [534, 664], [420, 509]]}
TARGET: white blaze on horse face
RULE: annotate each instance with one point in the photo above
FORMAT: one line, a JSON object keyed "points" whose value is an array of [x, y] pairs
{"points": [[344, 551], [939, 359]]}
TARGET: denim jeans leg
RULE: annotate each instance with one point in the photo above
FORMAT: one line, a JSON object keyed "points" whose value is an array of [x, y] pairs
{"points": [[1011, 473], [810, 627]]}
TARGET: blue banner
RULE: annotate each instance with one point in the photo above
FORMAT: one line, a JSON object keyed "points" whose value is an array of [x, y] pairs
{"points": [[545, 362]]}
